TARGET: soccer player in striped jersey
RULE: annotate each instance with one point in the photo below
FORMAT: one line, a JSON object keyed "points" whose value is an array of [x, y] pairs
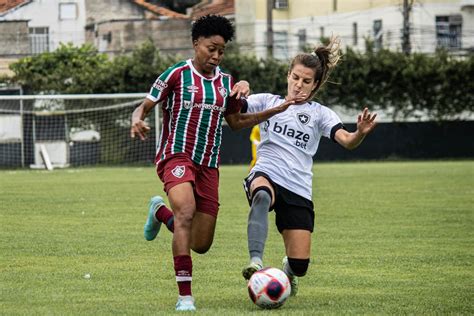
{"points": [[282, 177], [195, 97]]}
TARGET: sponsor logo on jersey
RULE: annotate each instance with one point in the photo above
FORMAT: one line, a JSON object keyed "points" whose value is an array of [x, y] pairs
{"points": [[303, 118], [188, 104], [160, 85], [301, 138], [192, 89], [222, 91], [178, 171]]}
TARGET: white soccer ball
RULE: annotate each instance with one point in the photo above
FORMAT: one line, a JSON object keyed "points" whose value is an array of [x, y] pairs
{"points": [[269, 288]]}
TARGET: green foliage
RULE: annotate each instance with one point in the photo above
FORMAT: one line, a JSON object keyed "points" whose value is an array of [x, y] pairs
{"points": [[266, 75], [440, 84], [69, 69]]}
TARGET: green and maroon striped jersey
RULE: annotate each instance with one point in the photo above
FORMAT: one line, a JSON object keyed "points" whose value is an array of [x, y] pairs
{"points": [[193, 109]]}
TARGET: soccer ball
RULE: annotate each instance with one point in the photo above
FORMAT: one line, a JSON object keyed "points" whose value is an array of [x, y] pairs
{"points": [[269, 288]]}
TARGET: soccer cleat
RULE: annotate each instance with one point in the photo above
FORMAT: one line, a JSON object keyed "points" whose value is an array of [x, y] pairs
{"points": [[185, 303], [249, 270], [152, 225], [293, 278]]}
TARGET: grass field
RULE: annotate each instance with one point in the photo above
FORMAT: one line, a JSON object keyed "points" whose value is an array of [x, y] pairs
{"points": [[391, 238]]}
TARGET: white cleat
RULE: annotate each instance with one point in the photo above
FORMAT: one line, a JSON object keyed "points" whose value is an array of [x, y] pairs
{"points": [[185, 303]]}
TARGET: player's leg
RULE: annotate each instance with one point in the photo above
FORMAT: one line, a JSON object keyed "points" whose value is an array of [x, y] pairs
{"points": [[157, 213], [261, 198], [298, 249], [202, 232], [181, 197], [206, 191], [295, 221]]}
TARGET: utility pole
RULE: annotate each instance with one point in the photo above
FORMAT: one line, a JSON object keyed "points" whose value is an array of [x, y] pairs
{"points": [[406, 45], [270, 28]]}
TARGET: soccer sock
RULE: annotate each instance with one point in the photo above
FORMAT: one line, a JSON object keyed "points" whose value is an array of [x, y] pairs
{"points": [[183, 266], [257, 227], [287, 269], [165, 215]]}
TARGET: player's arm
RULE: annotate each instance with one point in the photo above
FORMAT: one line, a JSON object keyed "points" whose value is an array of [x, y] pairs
{"points": [[365, 124], [139, 127], [240, 120]]}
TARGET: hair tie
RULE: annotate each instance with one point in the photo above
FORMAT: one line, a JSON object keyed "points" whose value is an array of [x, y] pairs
{"points": [[315, 55]]}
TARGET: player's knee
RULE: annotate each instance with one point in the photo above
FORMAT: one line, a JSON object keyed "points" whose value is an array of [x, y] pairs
{"points": [[183, 220], [298, 266], [262, 195], [202, 248]]}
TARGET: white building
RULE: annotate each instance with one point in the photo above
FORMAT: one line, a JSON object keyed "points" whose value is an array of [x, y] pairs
{"points": [[50, 22], [298, 23]]}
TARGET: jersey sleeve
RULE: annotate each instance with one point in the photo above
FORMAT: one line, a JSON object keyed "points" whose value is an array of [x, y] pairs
{"points": [[233, 105], [163, 85], [257, 102], [329, 123]]}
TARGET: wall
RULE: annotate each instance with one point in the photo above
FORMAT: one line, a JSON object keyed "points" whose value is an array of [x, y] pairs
{"points": [[44, 13], [312, 16], [424, 140], [118, 36]]}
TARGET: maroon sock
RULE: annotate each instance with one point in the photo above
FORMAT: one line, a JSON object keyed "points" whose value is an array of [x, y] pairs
{"points": [[183, 266], [165, 215]]}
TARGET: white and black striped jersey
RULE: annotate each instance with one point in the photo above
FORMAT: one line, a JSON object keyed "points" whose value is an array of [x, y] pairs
{"points": [[290, 139]]}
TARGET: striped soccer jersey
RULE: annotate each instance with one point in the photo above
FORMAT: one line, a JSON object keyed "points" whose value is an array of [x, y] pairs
{"points": [[193, 109]]}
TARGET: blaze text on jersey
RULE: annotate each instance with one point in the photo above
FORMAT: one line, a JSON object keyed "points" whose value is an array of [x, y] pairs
{"points": [[301, 138]]}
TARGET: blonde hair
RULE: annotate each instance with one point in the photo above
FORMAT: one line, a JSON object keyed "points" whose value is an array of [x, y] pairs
{"points": [[322, 60]]}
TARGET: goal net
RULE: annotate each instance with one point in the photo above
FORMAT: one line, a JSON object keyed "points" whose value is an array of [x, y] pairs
{"points": [[72, 130]]}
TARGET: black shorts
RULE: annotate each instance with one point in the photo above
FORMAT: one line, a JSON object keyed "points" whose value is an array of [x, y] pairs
{"points": [[292, 211]]}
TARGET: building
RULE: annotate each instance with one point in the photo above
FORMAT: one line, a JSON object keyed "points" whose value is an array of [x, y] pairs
{"points": [[29, 27], [49, 22], [299, 23], [118, 26]]}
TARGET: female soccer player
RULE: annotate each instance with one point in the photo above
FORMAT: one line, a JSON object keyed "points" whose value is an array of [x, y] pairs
{"points": [[282, 177], [195, 97]]}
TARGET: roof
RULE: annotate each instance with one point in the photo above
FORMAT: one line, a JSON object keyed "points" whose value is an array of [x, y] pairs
{"points": [[6, 5], [162, 11], [220, 7]]}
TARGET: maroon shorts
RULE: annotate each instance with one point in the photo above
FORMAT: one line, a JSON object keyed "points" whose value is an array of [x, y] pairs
{"points": [[180, 168]]}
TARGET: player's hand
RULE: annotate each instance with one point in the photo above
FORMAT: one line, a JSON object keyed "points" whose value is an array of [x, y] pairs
{"points": [[240, 89], [366, 121], [139, 128], [297, 100]]}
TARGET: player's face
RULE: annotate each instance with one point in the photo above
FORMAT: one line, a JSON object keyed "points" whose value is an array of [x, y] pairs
{"points": [[208, 53], [301, 80]]}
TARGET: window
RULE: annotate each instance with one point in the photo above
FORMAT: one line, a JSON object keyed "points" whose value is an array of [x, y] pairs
{"points": [[280, 4], [321, 32], [67, 11], [280, 45], [39, 39], [334, 5], [448, 31], [378, 34], [302, 39], [354, 34]]}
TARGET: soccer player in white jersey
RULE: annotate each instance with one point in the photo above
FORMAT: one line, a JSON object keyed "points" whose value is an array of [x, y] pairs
{"points": [[195, 97], [282, 177]]}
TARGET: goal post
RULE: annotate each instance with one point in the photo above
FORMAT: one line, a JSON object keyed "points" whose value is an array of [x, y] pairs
{"points": [[73, 130]]}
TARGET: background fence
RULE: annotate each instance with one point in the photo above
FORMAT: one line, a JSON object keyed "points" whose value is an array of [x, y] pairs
{"points": [[77, 130]]}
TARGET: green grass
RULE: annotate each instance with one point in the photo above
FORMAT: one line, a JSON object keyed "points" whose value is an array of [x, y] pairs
{"points": [[391, 238]]}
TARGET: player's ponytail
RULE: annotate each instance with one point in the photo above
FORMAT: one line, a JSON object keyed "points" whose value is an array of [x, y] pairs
{"points": [[322, 60]]}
